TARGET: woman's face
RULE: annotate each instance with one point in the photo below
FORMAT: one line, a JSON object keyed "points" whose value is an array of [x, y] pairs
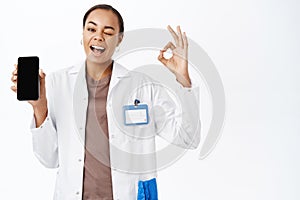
{"points": [[101, 36]]}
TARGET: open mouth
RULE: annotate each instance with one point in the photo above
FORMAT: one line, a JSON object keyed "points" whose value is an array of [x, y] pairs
{"points": [[97, 49]]}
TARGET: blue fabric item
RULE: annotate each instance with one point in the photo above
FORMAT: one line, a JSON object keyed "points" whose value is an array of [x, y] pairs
{"points": [[147, 190]]}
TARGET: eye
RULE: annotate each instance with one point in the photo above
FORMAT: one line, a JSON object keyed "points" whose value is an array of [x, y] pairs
{"points": [[91, 30], [108, 33]]}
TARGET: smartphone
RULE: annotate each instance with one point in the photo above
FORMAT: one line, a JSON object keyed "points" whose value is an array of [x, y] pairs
{"points": [[28, 87]]}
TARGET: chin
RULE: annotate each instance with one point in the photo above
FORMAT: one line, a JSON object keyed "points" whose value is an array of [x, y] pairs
{"points": [[98, 60]]}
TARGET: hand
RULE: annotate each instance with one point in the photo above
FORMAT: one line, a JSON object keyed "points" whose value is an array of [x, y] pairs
{"points": [[178, 63], [39, 106]]}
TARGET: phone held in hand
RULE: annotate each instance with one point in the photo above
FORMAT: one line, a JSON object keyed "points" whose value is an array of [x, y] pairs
{"points": [[28, 78]]}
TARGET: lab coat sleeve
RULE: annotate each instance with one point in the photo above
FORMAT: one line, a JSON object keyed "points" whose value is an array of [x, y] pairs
{"points": [[177, 119], [44, 138]]}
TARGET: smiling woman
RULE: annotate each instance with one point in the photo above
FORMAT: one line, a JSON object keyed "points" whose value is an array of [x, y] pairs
{"points": [[95, 157], [102, 32]]}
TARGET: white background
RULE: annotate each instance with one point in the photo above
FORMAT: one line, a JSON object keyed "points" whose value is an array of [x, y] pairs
{"points": [[255, 46]]}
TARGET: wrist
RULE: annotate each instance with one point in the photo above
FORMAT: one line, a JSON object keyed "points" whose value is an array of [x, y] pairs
{"points": [[40, 111], [40, 107], [184, 80], [40, 114]]}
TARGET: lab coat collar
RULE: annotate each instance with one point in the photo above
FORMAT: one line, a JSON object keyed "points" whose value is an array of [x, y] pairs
{"points": [[118, 70], [81, 92]]}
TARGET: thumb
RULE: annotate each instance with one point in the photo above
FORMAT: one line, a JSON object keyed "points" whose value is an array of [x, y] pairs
{"points": [[42, 74], [161, 57], [42, 83]]}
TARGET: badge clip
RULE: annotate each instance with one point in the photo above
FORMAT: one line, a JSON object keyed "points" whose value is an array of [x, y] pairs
{"points": [[136, 102], [136, 114]]}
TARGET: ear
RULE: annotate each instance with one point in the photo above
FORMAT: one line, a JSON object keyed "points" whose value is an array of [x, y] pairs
{"points": [[81, 40], [83, 28], [120, 38]]}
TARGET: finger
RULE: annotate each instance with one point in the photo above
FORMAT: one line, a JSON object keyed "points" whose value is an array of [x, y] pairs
{"points": [[170, 45], [180, 40], [185, 40], [15, 72], [42, 82], [174, 35], [16, 66], [161, 58], [42, 74], [13, 88], [14, 78]]}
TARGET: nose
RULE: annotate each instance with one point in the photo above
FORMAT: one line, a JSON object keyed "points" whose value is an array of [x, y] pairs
{"points": [[99, 37]]}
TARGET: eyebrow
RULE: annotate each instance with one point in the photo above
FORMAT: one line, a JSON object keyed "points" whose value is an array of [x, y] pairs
{"points": [[105, 27]]}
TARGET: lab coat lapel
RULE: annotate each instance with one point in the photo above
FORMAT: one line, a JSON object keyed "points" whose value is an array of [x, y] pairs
{"points": [[80, 92], [118, 73], [80, 99]]}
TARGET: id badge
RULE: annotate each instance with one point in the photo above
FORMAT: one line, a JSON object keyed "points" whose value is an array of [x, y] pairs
{"points": [[135, 114]]}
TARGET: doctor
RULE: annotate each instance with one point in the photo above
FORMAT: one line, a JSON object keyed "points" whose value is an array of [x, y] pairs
{"points": [[81, 126]]}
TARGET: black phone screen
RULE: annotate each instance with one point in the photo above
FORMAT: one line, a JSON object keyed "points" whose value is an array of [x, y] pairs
{"points": [[28, 78]]}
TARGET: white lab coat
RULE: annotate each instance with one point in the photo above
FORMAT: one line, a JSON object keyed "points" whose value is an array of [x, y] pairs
{"points": [[58, 142]]}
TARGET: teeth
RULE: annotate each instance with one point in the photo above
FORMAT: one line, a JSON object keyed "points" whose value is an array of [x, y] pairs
{"points": [[98, 48]]}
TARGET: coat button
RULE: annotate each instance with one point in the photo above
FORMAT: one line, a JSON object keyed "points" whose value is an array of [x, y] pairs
{"points": [[77, 193], [79, 160]]}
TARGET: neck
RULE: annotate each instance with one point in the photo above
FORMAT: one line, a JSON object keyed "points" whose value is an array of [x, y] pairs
{"points": [[98, 71]]}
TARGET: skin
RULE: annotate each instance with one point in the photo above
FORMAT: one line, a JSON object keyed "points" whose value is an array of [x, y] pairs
{"points": [[102, 29], [39, 106], [178, 63]]}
